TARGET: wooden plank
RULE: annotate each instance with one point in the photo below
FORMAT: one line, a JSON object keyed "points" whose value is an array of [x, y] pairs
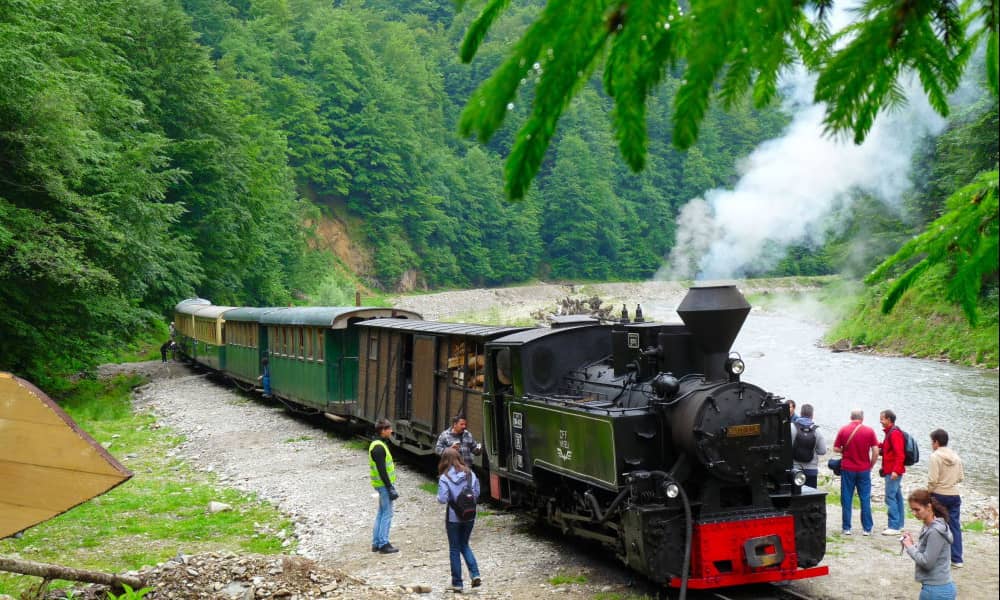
{"points": [[424, 356], [49, 446], [49, 488], [47, 463]]}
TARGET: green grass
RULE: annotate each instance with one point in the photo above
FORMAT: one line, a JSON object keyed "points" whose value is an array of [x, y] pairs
{"points": [[357, 444], [301, 438], [160, 512], [923, 324], [431, 487], [977, 526], [563, 578]]}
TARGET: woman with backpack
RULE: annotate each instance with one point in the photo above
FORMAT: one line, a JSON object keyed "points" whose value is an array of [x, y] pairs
{"points": [[932, 550], [458, 487]]}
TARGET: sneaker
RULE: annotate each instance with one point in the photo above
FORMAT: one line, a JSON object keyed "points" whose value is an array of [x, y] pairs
{"points": [[478, 581], [456, 588], [953, 566], [374, 548], [847, 532], [891, 531], [388, 549], [866, 533]]}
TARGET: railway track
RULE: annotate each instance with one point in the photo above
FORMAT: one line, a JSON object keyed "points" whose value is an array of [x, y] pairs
{"points": [[749, 592], [757, 592]]}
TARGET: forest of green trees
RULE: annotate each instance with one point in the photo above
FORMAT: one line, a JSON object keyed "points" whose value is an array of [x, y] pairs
{"points": [[151, 150]]}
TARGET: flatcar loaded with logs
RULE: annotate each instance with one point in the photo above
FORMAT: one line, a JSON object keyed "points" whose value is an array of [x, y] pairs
{"points": [[641, 436]]}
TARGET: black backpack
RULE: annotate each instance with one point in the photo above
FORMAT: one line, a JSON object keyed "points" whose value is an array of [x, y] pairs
{"points": [[464, 504], [911, 451], [804, 445]]}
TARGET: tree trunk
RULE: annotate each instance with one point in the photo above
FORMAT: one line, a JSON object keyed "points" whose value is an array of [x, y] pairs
{"points": [[37, 569]]}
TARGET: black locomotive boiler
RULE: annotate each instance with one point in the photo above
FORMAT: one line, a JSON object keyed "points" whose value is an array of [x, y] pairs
{"points": [[644, 437]]}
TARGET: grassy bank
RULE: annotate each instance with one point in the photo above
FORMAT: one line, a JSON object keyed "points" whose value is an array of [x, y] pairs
{"points": [[160, 512], [924, 324]]}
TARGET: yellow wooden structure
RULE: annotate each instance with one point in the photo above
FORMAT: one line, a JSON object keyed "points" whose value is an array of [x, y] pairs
{"points": [[48, 464]]}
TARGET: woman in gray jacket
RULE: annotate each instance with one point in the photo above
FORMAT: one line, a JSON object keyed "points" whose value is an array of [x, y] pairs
{"points": [[932, 551]]}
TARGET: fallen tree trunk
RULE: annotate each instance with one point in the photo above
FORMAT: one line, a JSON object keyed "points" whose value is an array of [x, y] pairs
{"points": [[47, 571]]}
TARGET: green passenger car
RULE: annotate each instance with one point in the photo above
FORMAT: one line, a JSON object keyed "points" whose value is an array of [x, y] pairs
{"points": [[208, 347], [246, 342], [184, 323], [313, 353]]}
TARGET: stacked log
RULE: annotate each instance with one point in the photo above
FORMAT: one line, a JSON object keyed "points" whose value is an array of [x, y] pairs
{"points": [[591, 306]]}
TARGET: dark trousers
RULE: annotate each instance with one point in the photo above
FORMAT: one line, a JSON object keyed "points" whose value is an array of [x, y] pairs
{"points": [[954, 506]]}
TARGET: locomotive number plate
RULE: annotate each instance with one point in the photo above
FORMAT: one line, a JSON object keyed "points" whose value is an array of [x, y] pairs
{"points": [[743, 430]]}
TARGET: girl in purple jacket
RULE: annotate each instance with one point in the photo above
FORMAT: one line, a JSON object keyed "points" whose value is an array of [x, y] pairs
{"points": [[453, 475]]}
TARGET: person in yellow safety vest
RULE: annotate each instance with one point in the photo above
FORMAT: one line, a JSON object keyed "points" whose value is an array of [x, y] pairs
{"points": [[383, 476]]}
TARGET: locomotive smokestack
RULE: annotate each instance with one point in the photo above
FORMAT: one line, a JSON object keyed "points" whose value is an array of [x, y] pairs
{"points": [[714, 315]]}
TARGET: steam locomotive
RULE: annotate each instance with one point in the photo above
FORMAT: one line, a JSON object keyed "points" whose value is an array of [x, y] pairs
{"points": [[638, 435]]}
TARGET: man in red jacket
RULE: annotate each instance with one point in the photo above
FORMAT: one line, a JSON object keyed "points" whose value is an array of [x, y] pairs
{"points": [[893, 452]]}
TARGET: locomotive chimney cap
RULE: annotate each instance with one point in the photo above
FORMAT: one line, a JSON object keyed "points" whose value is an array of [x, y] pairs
{"points": [[714, 314]]}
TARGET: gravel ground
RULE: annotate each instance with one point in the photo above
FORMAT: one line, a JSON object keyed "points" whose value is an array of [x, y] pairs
{"points": [[321, 482]]}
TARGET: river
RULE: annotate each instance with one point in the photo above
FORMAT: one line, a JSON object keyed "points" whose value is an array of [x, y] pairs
{"points": [[783, 356]]}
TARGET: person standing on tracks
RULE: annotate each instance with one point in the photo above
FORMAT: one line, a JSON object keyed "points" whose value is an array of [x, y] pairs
{"points": [[858, 446], [943, 477], [893, 452], [808, 445], [459, 438], [453, 478], [932, 550], [382, 471]]}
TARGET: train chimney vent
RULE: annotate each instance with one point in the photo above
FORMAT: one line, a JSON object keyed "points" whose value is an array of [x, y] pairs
{"points": [[714, 316]]}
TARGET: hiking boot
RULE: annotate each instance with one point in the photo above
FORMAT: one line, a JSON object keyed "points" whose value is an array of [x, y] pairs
{"points": [[374, 548], [388, 549], [478, 581]]}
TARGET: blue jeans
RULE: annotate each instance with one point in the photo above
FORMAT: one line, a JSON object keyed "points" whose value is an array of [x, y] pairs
{"points": [[458, 546], [383, 520], [954, 506], [894, 501], [862, 481], [946, 591]]}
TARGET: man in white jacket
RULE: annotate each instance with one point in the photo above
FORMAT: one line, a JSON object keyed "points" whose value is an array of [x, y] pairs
{"points": [[942, 482]]}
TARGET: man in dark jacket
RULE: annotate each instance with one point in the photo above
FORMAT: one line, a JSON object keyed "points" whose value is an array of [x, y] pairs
{"points": [[893, 449], [382, 471]]}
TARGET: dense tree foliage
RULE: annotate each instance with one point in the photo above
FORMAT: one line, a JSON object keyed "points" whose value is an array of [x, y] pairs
{"points": [[155, 149], [729, 50], [132, 176]]}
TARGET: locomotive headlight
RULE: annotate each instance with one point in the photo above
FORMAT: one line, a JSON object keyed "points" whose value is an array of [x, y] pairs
{"points": [[799, 478], [735, 366], [672, 490]]}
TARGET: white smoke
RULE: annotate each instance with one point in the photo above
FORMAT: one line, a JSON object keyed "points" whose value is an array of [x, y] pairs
{"points": [[789, 186]]}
